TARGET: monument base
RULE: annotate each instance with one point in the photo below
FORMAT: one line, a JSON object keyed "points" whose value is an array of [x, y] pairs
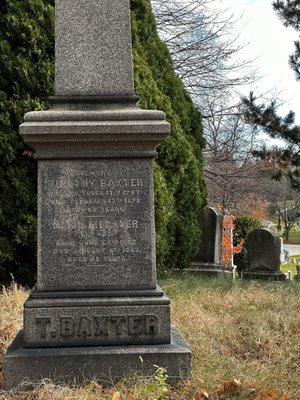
{"points": [[207, 269], [24, 368], [103, 318], [266, 276]]}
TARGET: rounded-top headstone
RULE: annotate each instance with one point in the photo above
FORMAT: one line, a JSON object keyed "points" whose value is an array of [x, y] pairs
{"points": [[263, 251]]}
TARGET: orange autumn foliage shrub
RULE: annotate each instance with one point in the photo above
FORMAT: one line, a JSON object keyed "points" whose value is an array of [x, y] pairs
{"points": [[256, 208], [228, 249]]}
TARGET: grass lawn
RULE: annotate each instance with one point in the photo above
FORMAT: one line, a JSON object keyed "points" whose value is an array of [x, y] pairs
{"points": [[294, 237], [245, 340], [291, 267]]}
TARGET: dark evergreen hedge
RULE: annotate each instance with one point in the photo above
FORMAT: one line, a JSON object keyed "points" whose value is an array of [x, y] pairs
{"points": [[26, 80]]}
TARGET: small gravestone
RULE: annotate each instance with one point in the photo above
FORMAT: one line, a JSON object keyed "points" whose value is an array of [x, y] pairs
{"points": [[263, 256], [208, 258], [297, 277], [283, 255], [97, 312]]}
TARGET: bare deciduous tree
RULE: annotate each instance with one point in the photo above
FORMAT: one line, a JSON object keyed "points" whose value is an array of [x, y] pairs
{"points": [[231, 171], [204, 45], [285, 202]]}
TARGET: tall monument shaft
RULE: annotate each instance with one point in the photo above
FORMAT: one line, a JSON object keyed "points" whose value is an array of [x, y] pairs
{"points": [[96, 309], [93, 48]]}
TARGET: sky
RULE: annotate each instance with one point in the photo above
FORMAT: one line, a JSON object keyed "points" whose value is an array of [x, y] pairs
{"points": [[269, 44]]}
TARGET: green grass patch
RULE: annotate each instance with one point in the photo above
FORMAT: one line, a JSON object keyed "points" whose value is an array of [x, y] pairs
{"points": [[294, 237], [291, 266]]}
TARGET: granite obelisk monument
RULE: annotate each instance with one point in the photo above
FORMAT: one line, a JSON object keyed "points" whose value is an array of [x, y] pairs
{"points": [[96, 312]]}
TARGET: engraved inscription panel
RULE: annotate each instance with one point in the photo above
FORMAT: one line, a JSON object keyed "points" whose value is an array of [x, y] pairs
{"points": [[96, 226], [97, 326]]}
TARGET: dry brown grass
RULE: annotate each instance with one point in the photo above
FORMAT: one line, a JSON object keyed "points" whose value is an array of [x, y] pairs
{"points": [[11, 317], [245, 340]]}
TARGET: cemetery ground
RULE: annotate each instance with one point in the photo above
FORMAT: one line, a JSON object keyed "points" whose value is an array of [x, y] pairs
{"points": [[294, 237], [244, 338], [291, 265]]}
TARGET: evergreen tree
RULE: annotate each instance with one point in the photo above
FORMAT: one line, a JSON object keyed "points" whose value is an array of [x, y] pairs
{"points": [[180, 187], [26, 81], [289, 12], [266, 116], [277, 127]]}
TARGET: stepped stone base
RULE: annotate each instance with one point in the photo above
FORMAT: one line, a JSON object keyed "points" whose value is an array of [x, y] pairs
{"points": [[267, 276], [212, 270], [25, 367]]}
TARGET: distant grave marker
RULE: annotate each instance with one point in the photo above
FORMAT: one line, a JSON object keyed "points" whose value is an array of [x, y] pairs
{"points": [[208, 258], [263, 256]]}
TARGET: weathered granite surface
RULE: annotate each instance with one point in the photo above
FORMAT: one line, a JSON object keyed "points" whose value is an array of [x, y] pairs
{"points": [[96, 225], [92, 128], [79, 365], [96, 321], [93, 53], [263, 256], [96, 240]]}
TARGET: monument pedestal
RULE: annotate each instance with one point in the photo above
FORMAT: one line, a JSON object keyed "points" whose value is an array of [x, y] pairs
{"points": [[97, 312], [106, 365], [96, 319]]}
